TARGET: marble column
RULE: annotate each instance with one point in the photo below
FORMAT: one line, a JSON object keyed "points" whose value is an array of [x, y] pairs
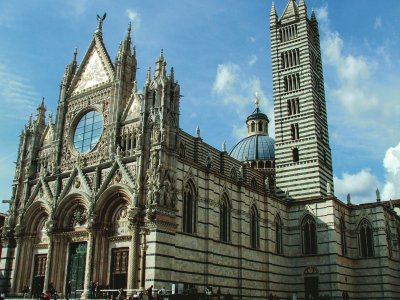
{"points": [[48, 261], [133, 259], [17, 263], [143, 262], [88, 265]]}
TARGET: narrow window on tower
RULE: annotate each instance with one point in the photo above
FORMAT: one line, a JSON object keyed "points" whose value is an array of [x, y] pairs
{"points": [[253, 127], [295, 154], [292, 131], [296, 131], [289, 107]]}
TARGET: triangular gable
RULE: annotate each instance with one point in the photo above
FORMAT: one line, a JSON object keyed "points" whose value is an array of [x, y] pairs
{"points": [[47, 194], [77, 181], [96, 68], [48, 135], [291, 10], [124, 173], [133, 108]]}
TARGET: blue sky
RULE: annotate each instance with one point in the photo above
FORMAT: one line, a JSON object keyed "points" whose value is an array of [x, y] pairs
{"points": [[221, 54]]}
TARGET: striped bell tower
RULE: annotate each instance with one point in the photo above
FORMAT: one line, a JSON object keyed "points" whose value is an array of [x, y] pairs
{"points": [[302, 152]]}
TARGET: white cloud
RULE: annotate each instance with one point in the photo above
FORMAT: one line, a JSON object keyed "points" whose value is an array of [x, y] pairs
{"points": [[361, 186], [378, 23], [16, 94], [252, 39], [134, 16], [237, 90], [391, 163], [77, 7], [253, 59], [226, 77], [322, 14]]}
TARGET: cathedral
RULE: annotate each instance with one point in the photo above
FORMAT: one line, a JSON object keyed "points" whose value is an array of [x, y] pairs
{"points": [[112, 190]]}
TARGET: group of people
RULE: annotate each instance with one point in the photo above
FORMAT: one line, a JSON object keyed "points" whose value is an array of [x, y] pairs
{"points": [[94, 290]]}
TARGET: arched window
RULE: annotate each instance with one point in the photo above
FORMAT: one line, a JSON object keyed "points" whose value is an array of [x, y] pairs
{"points": [[182, 150], [260, 126], [234, 174], [343, 241], [309, 235], [366, 239], [254, 228], [389, 240], [253, 127], [225, 220], [278, 235], [189, 208], [254, 183], [295, 154]]}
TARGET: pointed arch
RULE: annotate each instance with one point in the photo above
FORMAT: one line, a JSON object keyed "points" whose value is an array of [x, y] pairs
{"points": [[182, 150], [253, 183], [365, 239], [233, 174], [309, 235], [254, 227], [72, 210], [225, 218], [189, 210], [278, 234]]}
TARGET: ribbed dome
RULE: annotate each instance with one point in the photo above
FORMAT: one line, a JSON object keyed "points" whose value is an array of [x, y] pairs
{"points": [[254, 147]]}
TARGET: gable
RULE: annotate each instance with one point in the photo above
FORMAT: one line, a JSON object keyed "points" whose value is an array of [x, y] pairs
{"points": [[94, 73]]}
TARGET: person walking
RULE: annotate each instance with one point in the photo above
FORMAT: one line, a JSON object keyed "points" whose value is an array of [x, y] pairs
{"points": [[68, 289], [149, 293]]}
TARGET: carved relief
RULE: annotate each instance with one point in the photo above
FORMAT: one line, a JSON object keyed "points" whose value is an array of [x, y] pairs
{"points": [[79, 217]]}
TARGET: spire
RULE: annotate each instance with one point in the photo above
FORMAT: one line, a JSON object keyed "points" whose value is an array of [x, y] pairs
{"points": [[313, 17], [303, 8], [160, 66], [291, 10], [41, 106], [100, 21], [172, 75], [127, 40], [257, 101], [273, 9], [378, 195], [148, 75], [273, 16]]}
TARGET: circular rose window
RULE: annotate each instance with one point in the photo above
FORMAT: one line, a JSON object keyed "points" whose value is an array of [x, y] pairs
{"points": [[88, 131]]}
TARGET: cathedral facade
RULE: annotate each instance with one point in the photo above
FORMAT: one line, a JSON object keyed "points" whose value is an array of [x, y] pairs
{"points": [[112, 190]]}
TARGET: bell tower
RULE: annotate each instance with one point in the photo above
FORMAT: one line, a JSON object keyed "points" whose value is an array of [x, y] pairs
{"points": [[302, 152]]}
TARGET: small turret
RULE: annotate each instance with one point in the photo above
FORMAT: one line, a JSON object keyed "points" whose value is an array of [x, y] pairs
{"points": [[160, 66]]}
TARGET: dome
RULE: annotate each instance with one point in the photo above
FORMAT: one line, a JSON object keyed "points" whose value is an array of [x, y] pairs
{"points": [[254, 147]]}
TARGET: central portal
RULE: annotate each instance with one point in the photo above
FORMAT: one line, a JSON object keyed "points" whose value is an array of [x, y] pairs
{"points": [[76, 267], [119, 268]]}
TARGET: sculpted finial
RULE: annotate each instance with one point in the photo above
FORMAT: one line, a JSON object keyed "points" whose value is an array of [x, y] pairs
{"points": [[100, 22]]}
